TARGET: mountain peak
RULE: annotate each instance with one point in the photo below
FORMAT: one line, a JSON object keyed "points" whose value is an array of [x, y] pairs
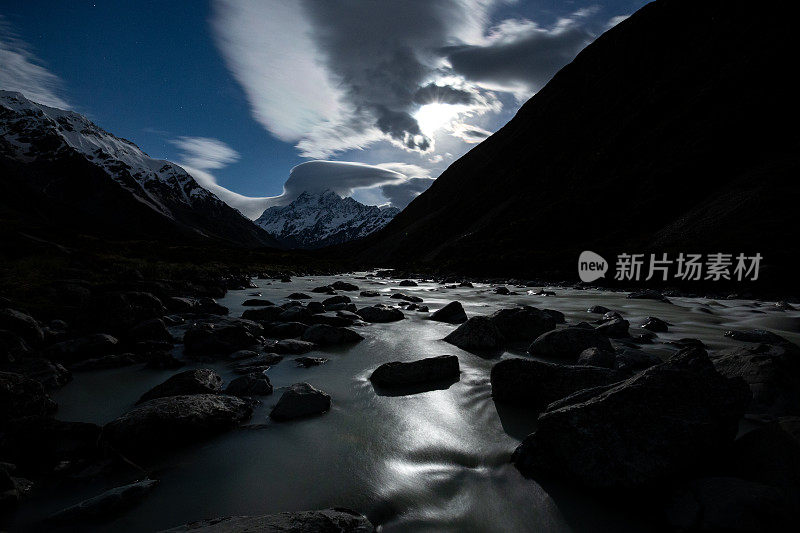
{"points": [[321, 218]]}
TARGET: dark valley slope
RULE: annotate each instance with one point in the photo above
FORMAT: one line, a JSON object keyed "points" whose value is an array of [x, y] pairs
{"points": [[674, 131], [60, 174]]}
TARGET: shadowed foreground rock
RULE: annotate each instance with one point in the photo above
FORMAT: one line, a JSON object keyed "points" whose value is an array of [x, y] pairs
{"points": [[771, 371], [655, 425], [299, 401], [404, 373], [336, 520], [166, 423], [523, 323], [380, 313], [537, 384], [107, 505]]}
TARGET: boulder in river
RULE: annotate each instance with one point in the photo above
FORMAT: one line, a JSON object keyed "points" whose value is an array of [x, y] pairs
{"points": [[89, 347], [333, 300], [267, 313], [536, 384], [452, 313], [257, 302], [661, 423], [20, 396], [380, 313], [325, 289], [300, 400], [408, 373], [293, 346], [369, 294], [299, 296], [757, 336], [407, 283], [287, 330], [479, 333], [197, 381], [22, 324], [153, 329], [308, 362], [167, 423], [338, 520], [106, 506], [649, 294], [344, 286], [40, 444], [597, 357], [325, 335], [655, 325], [598, 309], [405, 297], [522, 323], [632, 359], [616, 328], [253, 384], [567, 343], [221, 338]]}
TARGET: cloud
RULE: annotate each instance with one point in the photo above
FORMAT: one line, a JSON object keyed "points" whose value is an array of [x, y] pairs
{"points": [[205, 153], [470, 134], [22, 71], [337, 76], [520, 56]]}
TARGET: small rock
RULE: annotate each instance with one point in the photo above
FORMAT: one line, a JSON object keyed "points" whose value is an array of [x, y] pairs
{"points": [[370, 294], [407, 283], [406, 373], [478, 333], [328, 335], [380, 314], [344, 286], [649, 294], [452, 313], [257, 302], [406, 297], [299, 296], [568, 343], [197, 381], [294, 346], [307, 362], [255, 384], [300, 400], [652, 323], [598, 309]]}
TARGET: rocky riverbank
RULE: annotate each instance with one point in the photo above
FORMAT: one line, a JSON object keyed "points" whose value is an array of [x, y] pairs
{"points": [[624, 402]]}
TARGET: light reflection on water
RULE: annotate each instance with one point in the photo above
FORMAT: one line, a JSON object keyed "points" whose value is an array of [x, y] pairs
{"points": [[433, 461]]}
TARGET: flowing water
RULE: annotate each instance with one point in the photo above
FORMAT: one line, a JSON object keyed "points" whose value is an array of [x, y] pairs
{"points": [[432, 461]]}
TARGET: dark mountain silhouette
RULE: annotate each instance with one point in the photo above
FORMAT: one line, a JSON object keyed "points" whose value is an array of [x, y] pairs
{"points": [[674, 131], [60, 173]]}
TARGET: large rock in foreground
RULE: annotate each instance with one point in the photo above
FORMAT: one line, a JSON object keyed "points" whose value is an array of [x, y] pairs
{"points": [[20, 396], [536, 384], [221, 338], [197, 381], [771, 371], [299, 401], [167, 423], [478, 333], [405, 373], [568, 343], [653, 426], [327, 521]]}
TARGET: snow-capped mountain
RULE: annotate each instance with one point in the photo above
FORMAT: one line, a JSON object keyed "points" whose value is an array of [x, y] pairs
{"points": [[66, 157], [314, 220]]}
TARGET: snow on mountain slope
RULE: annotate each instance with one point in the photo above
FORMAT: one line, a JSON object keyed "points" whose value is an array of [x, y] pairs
{"points": [[314, 220], [35, 135]]}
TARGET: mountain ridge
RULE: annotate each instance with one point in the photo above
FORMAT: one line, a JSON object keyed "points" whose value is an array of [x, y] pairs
{"points": [[58, 158], [323, 218]]}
